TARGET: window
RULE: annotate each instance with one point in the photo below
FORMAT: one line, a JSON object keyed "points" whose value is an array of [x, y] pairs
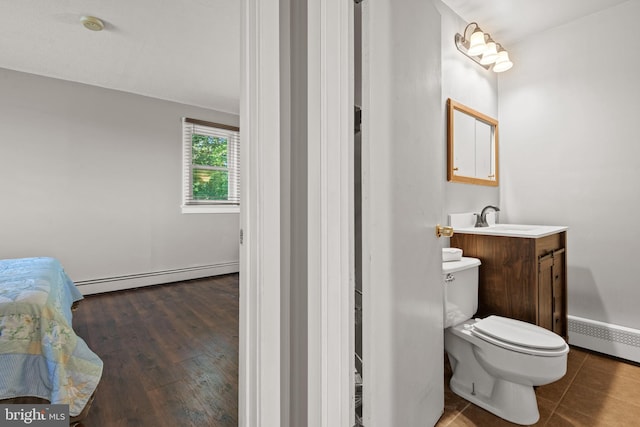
{"points": [[211, 167]]}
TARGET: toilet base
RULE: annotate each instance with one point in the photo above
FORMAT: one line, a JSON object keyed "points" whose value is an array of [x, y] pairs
{"points": [[513, 402]]}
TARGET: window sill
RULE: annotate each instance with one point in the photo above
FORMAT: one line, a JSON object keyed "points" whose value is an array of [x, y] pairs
{"points": [[210, 209]]}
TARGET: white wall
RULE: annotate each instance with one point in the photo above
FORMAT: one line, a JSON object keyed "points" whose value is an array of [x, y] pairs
{"points": [[464, 81], [93, 177], [570, 153]]}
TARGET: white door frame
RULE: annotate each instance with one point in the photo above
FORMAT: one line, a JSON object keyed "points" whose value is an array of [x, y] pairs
{"points": [[330, 218], [259, 349], [330, 213]]}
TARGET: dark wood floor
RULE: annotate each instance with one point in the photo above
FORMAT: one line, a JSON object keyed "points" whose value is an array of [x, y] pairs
{"points": [[170, 354]]}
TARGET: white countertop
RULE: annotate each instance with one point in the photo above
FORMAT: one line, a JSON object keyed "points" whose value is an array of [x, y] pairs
{"points": [[513, 230]]}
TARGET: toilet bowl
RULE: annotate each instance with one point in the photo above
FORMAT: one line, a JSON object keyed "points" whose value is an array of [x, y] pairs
{"points": [[496, 361]]}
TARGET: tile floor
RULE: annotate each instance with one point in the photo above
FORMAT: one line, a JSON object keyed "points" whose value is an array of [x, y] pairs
{"points": [[597, 391]]}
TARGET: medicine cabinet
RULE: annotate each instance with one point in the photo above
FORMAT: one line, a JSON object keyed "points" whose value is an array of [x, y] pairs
{"points": [[472, 146]]}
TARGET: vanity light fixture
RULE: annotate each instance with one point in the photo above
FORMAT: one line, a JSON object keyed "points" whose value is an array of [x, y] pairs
{"points": [[482, 49]]}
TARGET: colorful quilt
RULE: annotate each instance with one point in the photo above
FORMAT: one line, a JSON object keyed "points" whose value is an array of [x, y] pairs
{"points": [[40, 354]]}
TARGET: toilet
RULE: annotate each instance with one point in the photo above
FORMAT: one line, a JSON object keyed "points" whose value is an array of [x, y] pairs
{"points": [[496, 361]]}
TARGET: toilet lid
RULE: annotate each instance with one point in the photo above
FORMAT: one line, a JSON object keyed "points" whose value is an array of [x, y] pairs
{"points": [[519, 333]]}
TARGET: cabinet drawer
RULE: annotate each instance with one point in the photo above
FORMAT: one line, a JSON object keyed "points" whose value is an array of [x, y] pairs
{"points": [[547, 244]]}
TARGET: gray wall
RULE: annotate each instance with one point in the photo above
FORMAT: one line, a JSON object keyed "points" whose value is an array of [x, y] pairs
{"points": [[569, 126], [297, 191], [93, 177], [464, 81]]}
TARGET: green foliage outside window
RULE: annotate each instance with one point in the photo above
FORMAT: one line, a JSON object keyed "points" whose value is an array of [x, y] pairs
{"points": [[210, 174]]}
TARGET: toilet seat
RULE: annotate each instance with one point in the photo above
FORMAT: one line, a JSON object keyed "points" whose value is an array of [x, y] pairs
{"points": [[519, 336]]}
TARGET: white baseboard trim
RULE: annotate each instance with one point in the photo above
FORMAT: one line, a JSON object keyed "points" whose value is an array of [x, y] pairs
{"points": [[118, 283], [618, 341]]}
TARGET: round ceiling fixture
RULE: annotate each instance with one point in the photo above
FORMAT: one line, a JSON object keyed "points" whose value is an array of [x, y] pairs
{"points": [[92, 23]]}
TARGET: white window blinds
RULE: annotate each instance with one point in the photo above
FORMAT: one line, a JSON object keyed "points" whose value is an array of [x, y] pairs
{"points": [[211, 163]]}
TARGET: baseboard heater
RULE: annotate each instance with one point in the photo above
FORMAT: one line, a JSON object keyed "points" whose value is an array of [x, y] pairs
{"points": [[618, 341], [117, 283]]}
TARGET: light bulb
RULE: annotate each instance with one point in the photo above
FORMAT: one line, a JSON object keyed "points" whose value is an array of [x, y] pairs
{"points": [[502, 63], [476, 43], [490, 54]]}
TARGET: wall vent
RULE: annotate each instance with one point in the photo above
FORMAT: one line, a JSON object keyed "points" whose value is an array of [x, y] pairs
{"points": [[618, 341]]}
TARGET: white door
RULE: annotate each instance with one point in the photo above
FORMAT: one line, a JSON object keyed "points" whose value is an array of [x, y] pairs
{"points": [[402, 162]]}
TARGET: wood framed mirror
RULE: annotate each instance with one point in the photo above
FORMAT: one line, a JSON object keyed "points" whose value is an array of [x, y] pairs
{"points": [[472, 146]]}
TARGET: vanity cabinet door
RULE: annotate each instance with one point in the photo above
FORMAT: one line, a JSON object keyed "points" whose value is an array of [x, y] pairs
{"points": [[545, 292], [551, 299], [559, 294]]}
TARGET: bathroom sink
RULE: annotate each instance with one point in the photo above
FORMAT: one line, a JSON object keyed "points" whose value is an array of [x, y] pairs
{"points": [[514, 227], [464, 223]]}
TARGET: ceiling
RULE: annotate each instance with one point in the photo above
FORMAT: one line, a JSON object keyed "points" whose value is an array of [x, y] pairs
{"points": [[188, 51], [180, 50]]}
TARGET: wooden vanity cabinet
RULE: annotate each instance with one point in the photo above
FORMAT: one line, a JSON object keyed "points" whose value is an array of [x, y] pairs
{"points": [[521, 278]]}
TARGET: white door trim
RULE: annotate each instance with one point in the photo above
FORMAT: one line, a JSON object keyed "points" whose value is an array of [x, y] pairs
{"points": [[330, 217], [259, 352], [330, 213]]}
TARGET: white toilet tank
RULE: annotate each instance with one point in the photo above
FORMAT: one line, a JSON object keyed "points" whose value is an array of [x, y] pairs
{"points": [[460, 281]]}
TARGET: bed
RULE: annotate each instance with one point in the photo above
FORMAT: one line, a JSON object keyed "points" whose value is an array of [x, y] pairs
{"points": [[40, 354]]}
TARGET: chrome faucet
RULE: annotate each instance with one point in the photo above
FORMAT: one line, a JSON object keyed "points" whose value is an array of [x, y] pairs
{"points": [[481, 218]]}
